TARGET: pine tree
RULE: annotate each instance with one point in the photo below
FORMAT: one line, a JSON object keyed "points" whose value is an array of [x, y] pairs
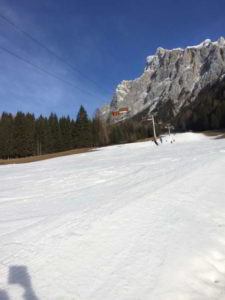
{"points": [[100, 134], [55, 144], [66, 133], [82, 132], [6, 136], [42, 135], [214, 121], [19, 138], [30, 134]]}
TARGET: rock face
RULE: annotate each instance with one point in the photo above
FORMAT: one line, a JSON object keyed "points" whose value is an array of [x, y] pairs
{"points": [[172, 79]]}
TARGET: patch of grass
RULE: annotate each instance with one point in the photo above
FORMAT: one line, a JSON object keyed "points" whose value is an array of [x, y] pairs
{"points": [[222, 136], [144, 140], [43, 157], [219, 134]]}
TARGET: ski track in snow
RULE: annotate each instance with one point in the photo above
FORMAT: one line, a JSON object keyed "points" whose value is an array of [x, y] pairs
{"points": [[127, 222]]}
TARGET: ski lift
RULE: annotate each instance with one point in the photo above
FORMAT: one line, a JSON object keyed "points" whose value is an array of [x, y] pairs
{"points": [[151, 119], [169, 127], [115, 113], [121, 111]]}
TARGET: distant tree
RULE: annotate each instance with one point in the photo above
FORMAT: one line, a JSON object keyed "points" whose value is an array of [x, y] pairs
{"points": [[66, 133], [6, 136], [23, 135], [55, 142], [96, 132], [19, 137], [222, 108], [82, 129], [214, 121], [100, 133], [116, 135], [30, 134], [42, 136]]}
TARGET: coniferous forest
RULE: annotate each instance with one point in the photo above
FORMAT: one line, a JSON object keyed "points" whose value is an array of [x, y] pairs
{"points": [[24, 135]]}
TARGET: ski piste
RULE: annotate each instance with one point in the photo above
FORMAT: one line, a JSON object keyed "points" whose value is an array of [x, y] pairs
{"points": [[125, 222]]}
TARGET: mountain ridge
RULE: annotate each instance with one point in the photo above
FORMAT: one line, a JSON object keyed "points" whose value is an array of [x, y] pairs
{"points": [[172, 79]]}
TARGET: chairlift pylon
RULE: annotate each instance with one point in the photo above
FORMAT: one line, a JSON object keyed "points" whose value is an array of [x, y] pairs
{"points": [[151, 118]]}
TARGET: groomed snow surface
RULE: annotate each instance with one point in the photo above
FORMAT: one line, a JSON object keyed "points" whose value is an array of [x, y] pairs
{"points": [[127, 222]]}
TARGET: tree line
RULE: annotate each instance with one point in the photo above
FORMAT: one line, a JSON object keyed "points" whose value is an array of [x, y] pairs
{"points": [[24, 135]]}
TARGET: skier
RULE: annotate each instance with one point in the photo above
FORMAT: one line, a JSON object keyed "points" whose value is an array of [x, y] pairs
{"points": [[155, 141]]}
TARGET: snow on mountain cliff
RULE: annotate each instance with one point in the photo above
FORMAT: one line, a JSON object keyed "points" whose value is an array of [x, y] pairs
{"points": [[125, 222], [176, 76]]}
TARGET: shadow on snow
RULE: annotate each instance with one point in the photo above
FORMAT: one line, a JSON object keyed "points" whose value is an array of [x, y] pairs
{"points": [[20, 276]]}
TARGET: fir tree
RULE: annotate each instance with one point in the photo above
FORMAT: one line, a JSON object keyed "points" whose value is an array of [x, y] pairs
{"points": [[83, 132], [66, 133], [55, 144], [19, 138], [6, 136]]}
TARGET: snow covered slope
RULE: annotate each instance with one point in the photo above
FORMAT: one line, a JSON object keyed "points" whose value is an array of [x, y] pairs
{"points": [[126, 222]]}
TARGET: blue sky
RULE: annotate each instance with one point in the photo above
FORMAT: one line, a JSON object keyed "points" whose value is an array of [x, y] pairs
{"points": [[107, 41]]}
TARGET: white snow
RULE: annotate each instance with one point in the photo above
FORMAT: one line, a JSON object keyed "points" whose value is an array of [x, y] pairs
{"points": [[205, 43], [126, 222], [177, 49], [150, 58]]}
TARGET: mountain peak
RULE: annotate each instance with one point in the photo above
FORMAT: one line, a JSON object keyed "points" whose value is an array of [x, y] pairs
{"points": [[173, 76]]}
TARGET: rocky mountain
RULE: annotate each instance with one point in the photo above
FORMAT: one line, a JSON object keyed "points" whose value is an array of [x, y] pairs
{"points": [[172, 81]]}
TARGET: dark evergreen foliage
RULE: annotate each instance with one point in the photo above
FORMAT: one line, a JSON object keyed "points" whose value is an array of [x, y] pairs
{"points": [[65, 126], [24, 135], [207, 112], [55, 142], [83, 129], [6, 136], [23, 132]]}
